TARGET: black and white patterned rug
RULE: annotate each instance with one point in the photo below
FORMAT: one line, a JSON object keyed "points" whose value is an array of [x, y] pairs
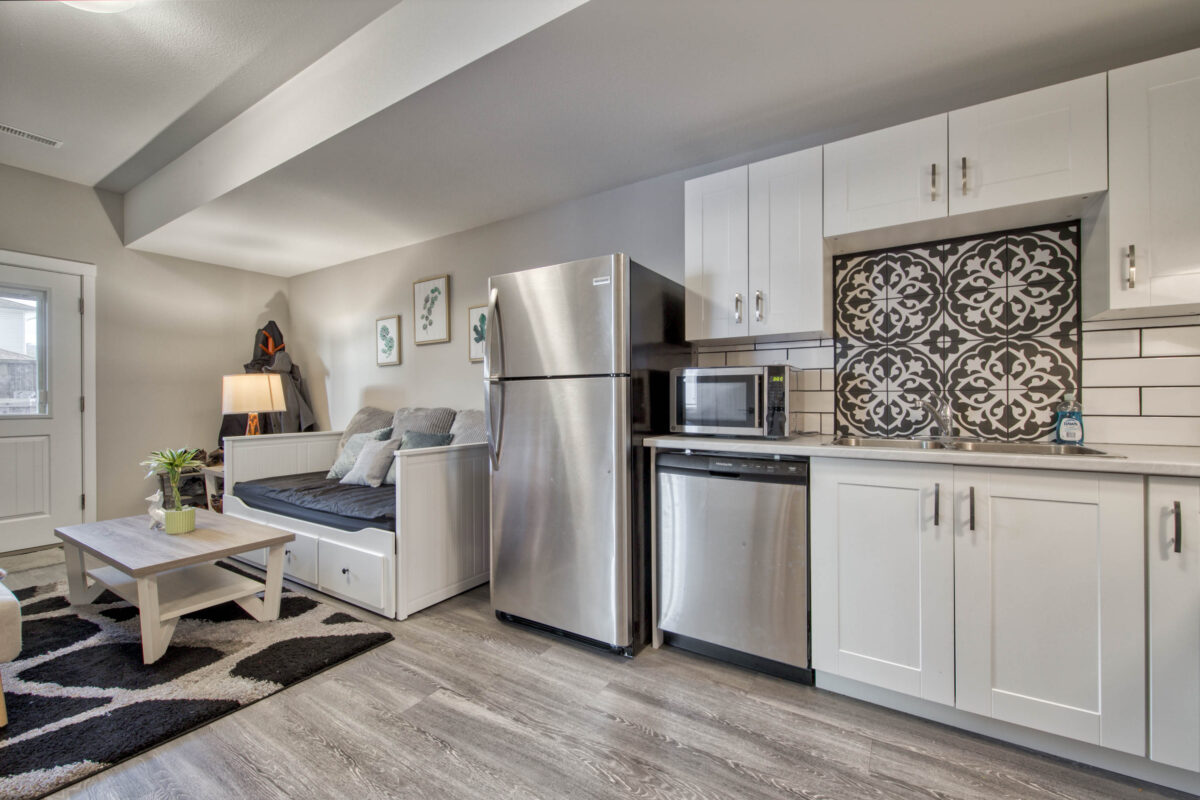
{"points": [[80, 699]]}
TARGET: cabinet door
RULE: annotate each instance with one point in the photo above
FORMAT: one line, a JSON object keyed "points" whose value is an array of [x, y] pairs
{"points": [[886, 177], [1174, 591], [789, 290], [1049, 602], [715, 254], [883, 575], [1154, 182], [1046, 144]]}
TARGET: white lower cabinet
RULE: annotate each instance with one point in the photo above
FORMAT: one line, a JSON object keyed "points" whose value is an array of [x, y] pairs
{"points": [[1049, 602], [1173, 575], [358, 575], [1013, 594], [883, 575]]}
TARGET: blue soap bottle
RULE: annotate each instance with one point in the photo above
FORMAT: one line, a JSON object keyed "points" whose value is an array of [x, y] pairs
{"points": [[1068, 425]]}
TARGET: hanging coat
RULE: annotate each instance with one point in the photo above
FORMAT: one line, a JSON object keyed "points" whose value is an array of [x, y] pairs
{"points": [[269, 356]]}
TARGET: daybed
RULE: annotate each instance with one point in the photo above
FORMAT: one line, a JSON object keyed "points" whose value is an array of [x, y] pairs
{"points": [[392, 549]]}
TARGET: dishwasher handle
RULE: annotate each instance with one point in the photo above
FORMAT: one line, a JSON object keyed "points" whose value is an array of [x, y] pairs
{"points": [[733, 467]]}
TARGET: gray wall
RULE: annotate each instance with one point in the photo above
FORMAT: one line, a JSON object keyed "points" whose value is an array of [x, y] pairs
{"points": [[334, 309], [166, 329]]}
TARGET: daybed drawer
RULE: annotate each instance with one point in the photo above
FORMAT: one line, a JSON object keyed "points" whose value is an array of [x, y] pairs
{"points": [[359, 575], [256, 557], [300, 558]]}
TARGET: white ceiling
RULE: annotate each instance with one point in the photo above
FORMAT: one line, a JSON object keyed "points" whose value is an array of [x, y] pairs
{"points": [[482, 124]]}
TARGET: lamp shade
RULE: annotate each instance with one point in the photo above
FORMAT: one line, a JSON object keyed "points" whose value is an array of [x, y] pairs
{"points": [[252, 393]]}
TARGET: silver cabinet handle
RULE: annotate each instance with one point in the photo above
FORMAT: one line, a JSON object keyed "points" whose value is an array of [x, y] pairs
{"points": [[964, 176], [758, 306], [971, 507], [737, 307], [1132, 266], [1178, 528], [937, 505], [933, 181]]}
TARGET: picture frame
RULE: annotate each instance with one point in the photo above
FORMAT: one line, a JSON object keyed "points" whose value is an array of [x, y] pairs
{"points": [[476, 332], [387, 341], [431, 310]]}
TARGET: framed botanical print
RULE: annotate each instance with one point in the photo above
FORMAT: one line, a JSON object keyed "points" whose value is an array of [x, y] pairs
{"points": [[431, 310], [476, 331], [387, 341]]}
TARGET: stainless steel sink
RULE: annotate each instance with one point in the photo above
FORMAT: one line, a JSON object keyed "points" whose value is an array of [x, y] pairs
{"points": [[973, 446], [897, 444]]}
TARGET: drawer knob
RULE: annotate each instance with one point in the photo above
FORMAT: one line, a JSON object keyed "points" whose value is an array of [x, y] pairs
{"points": [[345, 570]]}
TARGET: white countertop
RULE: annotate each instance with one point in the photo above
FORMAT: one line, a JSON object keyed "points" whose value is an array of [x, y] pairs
{"points": [[1137, 459]]}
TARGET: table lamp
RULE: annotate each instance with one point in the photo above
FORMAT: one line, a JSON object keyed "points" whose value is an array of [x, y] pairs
{"points": [[252, 394]]}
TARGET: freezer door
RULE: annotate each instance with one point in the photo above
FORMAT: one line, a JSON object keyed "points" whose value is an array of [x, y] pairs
{"points": [[568, 319], [560, 507]]}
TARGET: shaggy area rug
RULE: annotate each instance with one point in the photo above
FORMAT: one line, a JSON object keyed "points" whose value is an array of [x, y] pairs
{"points": [[80, 699]]}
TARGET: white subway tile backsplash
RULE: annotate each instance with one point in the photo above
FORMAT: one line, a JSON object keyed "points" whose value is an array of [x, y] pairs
{"points": [[811, 358], [827, 379], [827, 424], [1171, 401], [819, 401], [810, 379], [1178, 371], [811, 423], [753, 358], [1150, 322], [1142, 430], [1111, 344], [1171, 341], [1113, 402], [710, 359]]}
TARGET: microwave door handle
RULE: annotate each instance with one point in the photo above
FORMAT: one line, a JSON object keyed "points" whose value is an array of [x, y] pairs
{"points": [[493, 340]]}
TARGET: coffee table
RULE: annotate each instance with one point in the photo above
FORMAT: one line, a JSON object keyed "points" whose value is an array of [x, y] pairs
{"points": [[167, 576]]}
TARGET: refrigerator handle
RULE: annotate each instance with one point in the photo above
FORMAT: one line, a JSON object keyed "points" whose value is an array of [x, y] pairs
{"points": [[493, 345], [493, 413]]}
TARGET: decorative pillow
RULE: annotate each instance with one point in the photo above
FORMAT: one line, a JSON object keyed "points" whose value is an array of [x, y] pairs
{"points": [[354, 445], [423, 420], [373, 463], [367, 418], [468, 427], [414, 440]]}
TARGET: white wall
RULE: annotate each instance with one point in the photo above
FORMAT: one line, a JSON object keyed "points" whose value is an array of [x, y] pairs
{"points": [[334, 309], [166, 328]]}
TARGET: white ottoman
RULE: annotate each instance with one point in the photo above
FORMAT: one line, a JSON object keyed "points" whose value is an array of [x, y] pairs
{"points": [[10, 637]]}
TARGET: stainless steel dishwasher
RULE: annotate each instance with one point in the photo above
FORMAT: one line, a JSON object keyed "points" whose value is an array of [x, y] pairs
{"points": [[733, 559]]}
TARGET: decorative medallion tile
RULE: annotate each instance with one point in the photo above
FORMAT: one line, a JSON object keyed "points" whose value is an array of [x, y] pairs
{"points": [[980, 366], [862, 414], [1039, 309], [916, 271], [861, 324], [915, 368], [861, 279], [913, 317], [908, 416], [1046, 255], [980, 315], [1042, 364], [974, 265], [981, 414], [1031, 414], [864, 370]]}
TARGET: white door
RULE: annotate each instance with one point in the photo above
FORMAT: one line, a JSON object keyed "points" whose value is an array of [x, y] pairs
{"points": [[41, 421], [1042, 145], [1154, 182], [789, 289], [1049, 602], [715, 253], [1173, 573], [886, 177], [883, 575]]}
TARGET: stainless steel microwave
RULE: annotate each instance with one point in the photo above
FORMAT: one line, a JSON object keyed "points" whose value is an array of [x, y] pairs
{"points": [[732, 401]]}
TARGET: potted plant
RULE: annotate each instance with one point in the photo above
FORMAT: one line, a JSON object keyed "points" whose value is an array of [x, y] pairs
{"points": [[172, 463]]}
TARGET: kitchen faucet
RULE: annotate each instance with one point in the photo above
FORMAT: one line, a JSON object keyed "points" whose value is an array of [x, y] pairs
{"points": [[939, 407]]}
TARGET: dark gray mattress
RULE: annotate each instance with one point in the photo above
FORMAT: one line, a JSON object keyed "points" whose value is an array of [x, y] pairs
{"points": [[314, 498]]}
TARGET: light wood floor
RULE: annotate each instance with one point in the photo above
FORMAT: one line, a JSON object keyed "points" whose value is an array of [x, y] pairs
{"points": [[462, 706]]}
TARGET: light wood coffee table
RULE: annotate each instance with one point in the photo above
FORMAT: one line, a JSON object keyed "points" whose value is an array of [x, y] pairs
{"points": [[167, 576]]}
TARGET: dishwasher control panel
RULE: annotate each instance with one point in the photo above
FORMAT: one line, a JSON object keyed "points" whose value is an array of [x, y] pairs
{"points": [[756, 466]]}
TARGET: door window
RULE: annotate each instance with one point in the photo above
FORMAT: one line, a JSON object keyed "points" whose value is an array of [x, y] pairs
{"points": [[23, 352]]}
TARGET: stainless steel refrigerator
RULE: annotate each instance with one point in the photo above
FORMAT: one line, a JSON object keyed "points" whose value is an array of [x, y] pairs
{"points": [[576, 361]]}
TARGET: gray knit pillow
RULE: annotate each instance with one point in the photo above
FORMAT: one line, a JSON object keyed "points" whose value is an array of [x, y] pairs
{"points": [[373, 463], [422, 420], [468, 427], [354, 445], [367, 418]]}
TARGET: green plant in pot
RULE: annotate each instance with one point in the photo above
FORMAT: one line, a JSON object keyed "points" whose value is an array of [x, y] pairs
{"points": [[172, 463]]}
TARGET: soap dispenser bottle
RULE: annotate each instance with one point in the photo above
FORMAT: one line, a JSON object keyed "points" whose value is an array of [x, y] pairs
{"points": [[1068, 425]]}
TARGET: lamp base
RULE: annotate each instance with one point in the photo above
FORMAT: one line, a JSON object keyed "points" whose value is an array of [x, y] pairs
{"points": [[252, 428]]}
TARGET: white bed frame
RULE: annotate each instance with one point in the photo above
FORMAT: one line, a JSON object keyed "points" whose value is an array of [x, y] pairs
{"points": [[439, 548]]}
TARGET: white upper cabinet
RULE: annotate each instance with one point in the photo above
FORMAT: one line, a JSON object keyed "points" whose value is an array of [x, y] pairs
{"points": [[1049, 602], [754, 257], [1173, 575], [1041, 145], [788, 265], [715, 255], [1141, 250], [885, 178], [883, 574]]}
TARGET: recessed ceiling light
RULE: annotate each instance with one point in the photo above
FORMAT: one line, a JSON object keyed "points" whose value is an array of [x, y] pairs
{"points": [[101, 6]]}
